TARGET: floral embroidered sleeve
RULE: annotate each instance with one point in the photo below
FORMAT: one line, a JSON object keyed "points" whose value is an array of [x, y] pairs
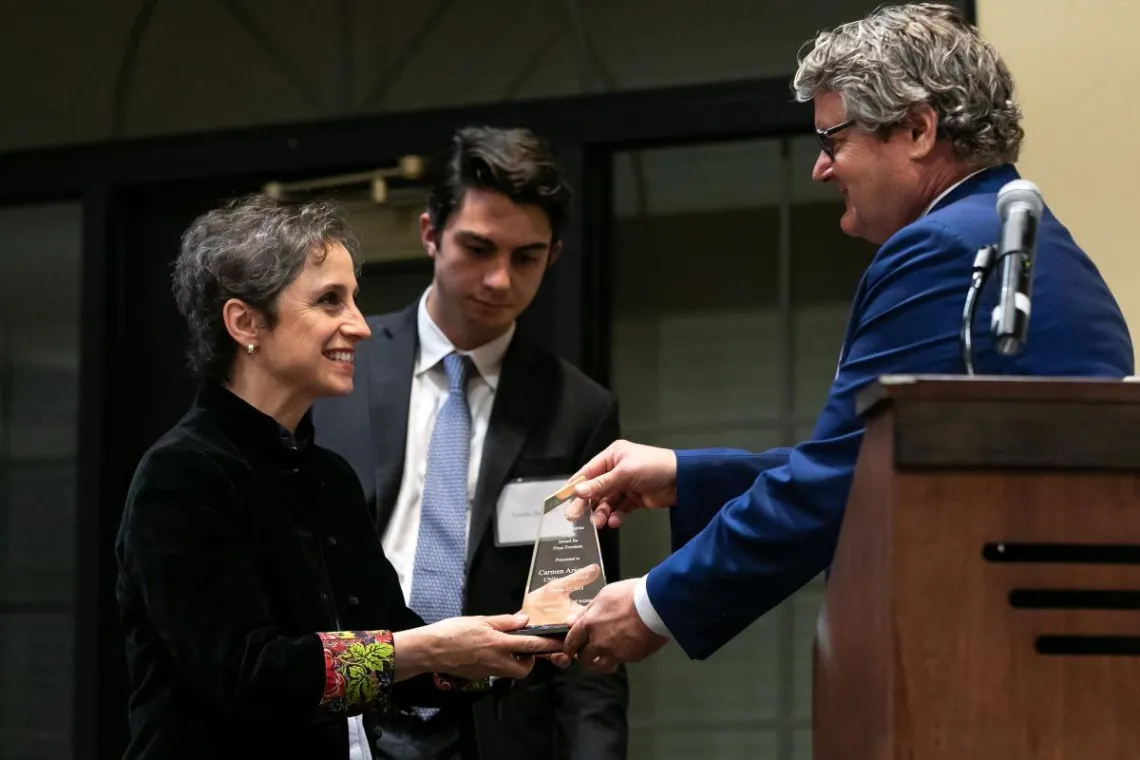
{"points": [[359, 669]]}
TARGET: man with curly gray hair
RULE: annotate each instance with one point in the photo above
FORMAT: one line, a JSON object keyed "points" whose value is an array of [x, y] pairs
{"points": [[918, 130], [909, 101]]}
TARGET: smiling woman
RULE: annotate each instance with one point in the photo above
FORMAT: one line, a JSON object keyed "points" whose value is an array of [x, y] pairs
{"points": [[261, 615], [279, 281]]}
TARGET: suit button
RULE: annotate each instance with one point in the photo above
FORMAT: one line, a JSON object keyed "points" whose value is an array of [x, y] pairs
{"points": [[353, 600], [331, 540]]}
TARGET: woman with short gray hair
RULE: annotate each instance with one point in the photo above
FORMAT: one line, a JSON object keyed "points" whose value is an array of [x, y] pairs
{"points": [[261, 615], [250, 251]]}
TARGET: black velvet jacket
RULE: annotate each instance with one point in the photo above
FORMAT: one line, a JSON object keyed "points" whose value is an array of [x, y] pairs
{"points": [[239, 545]]}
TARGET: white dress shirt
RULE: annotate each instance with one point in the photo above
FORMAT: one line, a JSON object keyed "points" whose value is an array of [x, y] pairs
{"points": [[429, 392], [641, 598], [951, 189]]}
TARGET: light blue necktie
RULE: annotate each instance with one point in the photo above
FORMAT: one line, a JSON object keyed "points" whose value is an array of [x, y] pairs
{"points": [[441, 550]]}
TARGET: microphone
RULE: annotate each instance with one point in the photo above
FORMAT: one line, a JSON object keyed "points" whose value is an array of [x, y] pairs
{"points": [[1019, 205]]}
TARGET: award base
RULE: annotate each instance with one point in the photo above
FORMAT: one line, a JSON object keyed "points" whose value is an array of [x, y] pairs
{"points": [[552, 631]]}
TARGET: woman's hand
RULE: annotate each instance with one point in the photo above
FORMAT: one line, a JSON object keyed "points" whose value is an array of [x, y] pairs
{"points": [[470, 647]]}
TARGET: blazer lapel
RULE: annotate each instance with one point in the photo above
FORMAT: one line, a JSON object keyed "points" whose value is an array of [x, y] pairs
{"points": [[391, 362], [517, 401]]}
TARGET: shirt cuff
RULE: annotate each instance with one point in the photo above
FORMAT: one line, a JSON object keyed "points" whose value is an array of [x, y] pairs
{"points": [[645, 609]]}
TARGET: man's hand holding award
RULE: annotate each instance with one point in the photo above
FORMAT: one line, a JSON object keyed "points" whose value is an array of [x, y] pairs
{"points": [[623, 478]]}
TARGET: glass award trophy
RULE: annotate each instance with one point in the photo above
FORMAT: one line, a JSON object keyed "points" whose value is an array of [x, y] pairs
{"points": [[566, 570]]}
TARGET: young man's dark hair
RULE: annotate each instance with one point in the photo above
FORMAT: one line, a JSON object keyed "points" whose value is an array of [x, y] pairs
{"points": [[514, 162]]}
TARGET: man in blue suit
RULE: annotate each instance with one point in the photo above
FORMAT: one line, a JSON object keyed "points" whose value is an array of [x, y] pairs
{"points": [[918, 130]]}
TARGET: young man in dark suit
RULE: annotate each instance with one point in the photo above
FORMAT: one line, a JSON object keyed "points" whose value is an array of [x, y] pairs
{"points": [[448, 474]]}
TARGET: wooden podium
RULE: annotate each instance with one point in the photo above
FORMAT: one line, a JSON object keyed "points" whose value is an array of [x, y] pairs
{"points": [[984, 601]]}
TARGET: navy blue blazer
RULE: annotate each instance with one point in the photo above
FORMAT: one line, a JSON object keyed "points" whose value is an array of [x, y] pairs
{"points": [[751, 529]]}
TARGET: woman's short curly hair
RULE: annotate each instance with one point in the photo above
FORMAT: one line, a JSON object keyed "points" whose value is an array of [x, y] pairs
{"points": [[251, 249], [899, 56]]}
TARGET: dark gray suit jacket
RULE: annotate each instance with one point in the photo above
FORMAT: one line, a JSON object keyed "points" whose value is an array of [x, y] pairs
{"points": [[548, 419]]}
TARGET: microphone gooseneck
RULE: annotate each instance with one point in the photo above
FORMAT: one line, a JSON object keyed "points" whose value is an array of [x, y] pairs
{"points": [[1019, 205]]}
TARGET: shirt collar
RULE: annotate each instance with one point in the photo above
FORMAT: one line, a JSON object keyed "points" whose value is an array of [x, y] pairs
{"points": [[434, 345], [250, 428], [951, 189]]}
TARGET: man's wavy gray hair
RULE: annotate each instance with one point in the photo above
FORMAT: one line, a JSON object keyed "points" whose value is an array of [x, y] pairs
{"points": [[899, 56]]}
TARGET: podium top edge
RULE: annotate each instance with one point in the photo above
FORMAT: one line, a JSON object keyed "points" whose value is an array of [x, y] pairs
{"points": [[1090, 390]]}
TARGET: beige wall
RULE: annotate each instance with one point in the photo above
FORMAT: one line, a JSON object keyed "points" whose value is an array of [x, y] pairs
{"points": [[1075, 63]]}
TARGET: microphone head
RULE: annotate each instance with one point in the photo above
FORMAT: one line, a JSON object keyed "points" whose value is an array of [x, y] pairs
{"points": [[1020, 192]]}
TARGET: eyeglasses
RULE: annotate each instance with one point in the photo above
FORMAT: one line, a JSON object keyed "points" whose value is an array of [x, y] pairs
{"points": [[824, 136]]}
